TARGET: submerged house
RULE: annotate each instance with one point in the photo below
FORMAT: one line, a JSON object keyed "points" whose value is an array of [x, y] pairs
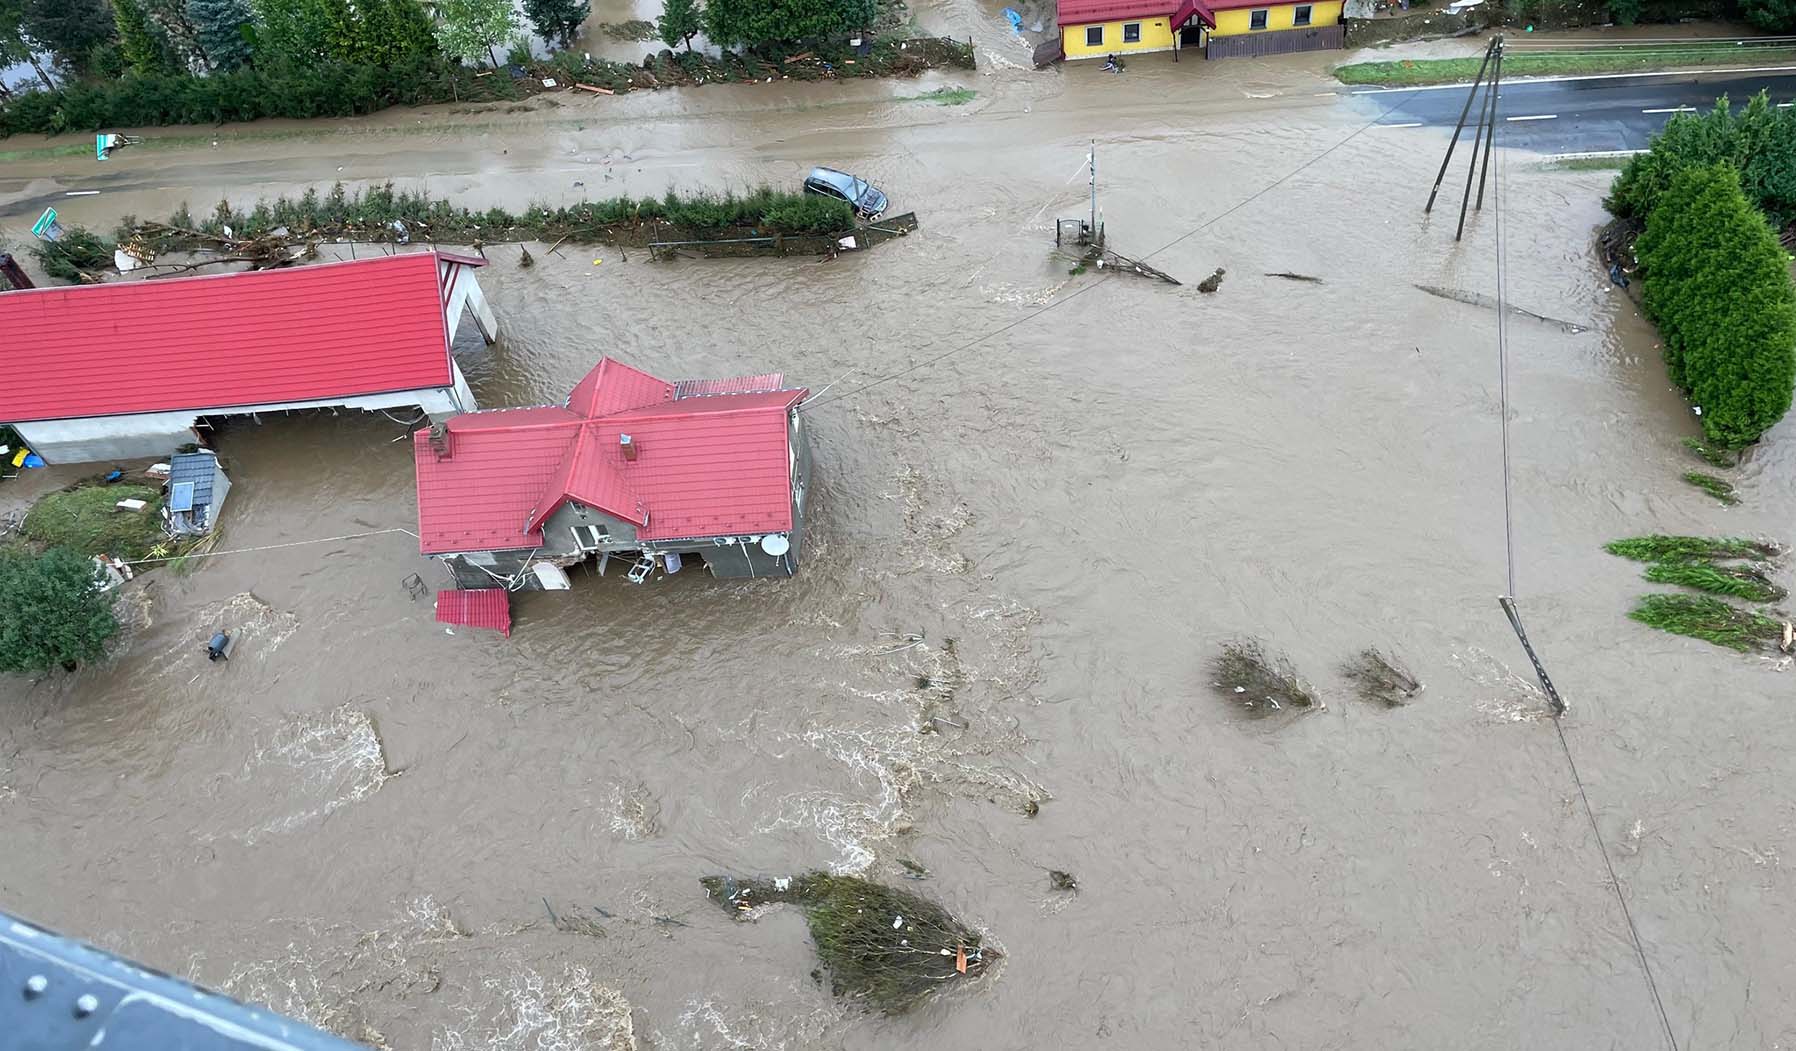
{"points": [[133, 368], [633, 468], [197, 488], [1231, 28]]}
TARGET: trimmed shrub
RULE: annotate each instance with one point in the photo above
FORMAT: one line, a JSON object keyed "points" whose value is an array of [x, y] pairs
{"points": [[1759, 141], [1718, 285]]}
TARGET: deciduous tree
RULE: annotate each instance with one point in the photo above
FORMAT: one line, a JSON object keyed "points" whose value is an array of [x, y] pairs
{"points": [[557, 20], [680, 21], [50, 612], [68, 28], [732, 23], [465, 28]]}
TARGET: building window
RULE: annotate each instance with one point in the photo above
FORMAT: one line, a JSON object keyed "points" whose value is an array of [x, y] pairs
{"points": [[590, 538], [1094, 36], [1131, 32], [1300, 16], [1257, 20]]}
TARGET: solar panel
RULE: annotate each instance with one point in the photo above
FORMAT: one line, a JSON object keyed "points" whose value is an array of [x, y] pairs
{"points": [[180, 496]]}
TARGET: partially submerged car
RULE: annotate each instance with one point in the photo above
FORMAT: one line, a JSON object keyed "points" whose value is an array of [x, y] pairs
{"points": [[868, 202]]}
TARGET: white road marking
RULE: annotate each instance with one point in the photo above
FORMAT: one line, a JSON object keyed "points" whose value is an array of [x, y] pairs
{"points": [[1537, 116], [1785, 105], [1672, 109], [1415, 124], [82, 193], [1593, 155]]}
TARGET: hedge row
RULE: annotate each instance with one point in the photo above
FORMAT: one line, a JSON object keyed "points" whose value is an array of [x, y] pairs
{"points": [[1717, 283], [1759, 141], [325, 90]]}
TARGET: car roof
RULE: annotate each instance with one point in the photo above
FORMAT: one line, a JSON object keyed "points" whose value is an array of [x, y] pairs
{"points": [[822, 174]]}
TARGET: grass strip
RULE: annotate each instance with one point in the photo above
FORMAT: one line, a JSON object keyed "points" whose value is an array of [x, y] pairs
{"points": [[1415, 72]]}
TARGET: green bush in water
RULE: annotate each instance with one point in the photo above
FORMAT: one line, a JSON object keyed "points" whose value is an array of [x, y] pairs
{"points": [[1662, 548], [1709, 619], [881, 945], [1733, 581]]}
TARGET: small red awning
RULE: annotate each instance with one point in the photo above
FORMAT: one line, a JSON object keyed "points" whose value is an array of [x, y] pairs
{"points": [[480, 608]]}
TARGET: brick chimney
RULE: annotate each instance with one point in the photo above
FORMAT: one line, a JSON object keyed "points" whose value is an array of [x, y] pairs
{"points": [[629, 447]]}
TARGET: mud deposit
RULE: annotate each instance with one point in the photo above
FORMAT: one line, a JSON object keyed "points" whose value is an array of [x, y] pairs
{"points": [[1040, 537]]}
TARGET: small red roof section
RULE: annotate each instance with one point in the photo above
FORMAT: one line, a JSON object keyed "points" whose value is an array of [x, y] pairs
{"points": [[480, 608], [1085, 12], [368, 326], [714, 463]]}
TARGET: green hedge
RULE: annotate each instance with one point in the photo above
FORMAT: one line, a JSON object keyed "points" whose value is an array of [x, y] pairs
{"points": [[1759, 141], [1717, 282], [325, 90]]}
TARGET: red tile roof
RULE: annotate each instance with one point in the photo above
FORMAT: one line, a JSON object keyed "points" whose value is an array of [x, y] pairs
{"points": [[223, 341], [1085, 12], [712, 465], [480, 608]]}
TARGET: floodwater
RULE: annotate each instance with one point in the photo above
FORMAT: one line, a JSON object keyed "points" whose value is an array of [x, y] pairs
{"points": [[1053, 496]]}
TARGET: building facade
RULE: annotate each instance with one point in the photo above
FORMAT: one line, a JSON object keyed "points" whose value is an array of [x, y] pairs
{"points": [[1100, 28], [633, 474], [134, 368], [1227, 28]]}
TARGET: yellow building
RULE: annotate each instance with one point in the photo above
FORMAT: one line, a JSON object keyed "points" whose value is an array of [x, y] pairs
{"points": [[1098, 28], [1227, 28]]}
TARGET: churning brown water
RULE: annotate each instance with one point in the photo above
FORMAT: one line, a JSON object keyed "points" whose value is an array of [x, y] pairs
{"points": [[359, 819]]}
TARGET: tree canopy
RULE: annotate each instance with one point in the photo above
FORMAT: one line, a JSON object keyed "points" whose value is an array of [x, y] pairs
{"points": [[749, 23], [557, 20], [50, 613], [680, 21], [467, 28], [1760, 141], [222, 29]]}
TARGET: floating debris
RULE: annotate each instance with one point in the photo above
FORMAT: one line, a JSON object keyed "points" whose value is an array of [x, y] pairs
{"points": [[1211, 283], [880, 945], [1381, 679], [1477, 300], [1662, 548], [1719, 488], [525, 259], [1062, 880], [1289, 276], [912, 870], [1745, 582], [1245, 674], [1713, 455], [1709, 619]]}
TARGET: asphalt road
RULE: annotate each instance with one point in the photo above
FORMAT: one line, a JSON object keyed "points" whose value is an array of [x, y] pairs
{"points": [[1583, 114]]}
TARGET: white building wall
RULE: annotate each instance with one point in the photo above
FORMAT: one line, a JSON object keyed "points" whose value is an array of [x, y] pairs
{"points": [[153, 434]]}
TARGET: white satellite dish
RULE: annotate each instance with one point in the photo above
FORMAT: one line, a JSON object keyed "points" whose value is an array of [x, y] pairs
{"points": [[776, 544]]}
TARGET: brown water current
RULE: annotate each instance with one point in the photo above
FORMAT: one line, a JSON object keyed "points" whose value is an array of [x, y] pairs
{"points": [[359, 818]]}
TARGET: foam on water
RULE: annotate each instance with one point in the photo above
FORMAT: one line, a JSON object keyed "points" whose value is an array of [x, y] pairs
{"points": [[568, 1012], [332, 758]]}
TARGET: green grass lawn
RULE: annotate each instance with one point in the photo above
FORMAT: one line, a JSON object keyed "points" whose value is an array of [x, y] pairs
{"points": [[87, 520], [1410, 73]]}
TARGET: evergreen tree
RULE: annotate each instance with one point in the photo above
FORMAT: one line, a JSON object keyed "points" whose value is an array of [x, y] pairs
{"points": [[50, 612], [219, 27], [68, 28], [468, 27], [732, 23], [680, 21], [146, 51], [183, 36], [557, 20], [1717, 282], [391, 32]]}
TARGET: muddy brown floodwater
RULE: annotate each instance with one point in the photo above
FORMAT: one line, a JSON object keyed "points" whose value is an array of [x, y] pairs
{"points": [[358, 819]]}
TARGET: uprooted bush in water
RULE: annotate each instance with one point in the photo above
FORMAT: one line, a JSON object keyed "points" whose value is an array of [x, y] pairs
{"points": [[1662, 548], [884, 946], [1381, 679], [1709, 619], [1245, 674]]}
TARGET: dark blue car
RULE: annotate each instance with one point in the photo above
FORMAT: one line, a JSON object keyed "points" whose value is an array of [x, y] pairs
{"points": [[868, 202]]}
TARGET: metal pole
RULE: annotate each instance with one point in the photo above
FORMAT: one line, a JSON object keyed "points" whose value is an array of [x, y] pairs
{"points": [[1093, 161], [1485, 115], [1496, 87], [1459, 127]]}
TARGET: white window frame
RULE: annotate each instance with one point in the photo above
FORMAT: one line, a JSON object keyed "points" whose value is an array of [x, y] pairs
{"points": [[1136, 26], [600, 535], [1301, 14], [1099, 30], [1262, 15]]}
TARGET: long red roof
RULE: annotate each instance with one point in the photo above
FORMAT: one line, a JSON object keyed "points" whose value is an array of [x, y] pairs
{"points": [[715, 464], [1084, 12], [368, 326]]}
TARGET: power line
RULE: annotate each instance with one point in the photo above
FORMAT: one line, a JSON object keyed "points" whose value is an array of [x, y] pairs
{"points": [[1507, 601], [1032, 315]]}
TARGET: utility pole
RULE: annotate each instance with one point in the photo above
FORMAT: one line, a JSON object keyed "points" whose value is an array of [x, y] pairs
{"points": [[1092, 159], [1487, 110]]}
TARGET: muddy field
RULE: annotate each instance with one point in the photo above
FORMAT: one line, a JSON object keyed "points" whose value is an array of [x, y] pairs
{"points": [[1087, 484]]}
